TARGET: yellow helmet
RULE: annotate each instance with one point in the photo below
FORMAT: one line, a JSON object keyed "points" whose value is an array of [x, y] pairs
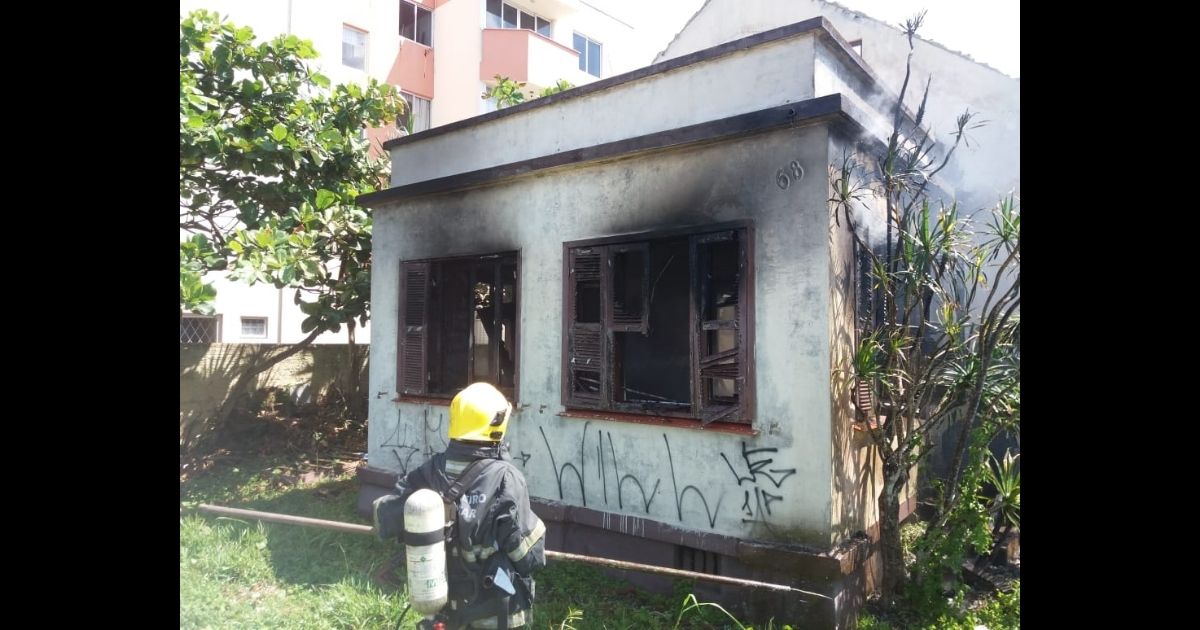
{"points": [[479, 413]]}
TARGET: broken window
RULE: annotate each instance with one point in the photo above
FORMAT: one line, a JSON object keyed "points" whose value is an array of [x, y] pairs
{"points": [[458, 324], [659, 326]]}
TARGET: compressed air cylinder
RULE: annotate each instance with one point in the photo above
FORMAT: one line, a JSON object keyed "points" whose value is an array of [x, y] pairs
{"points": [[425, 546]]}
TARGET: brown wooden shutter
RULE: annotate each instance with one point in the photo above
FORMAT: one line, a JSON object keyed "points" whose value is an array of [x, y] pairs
{"points": [[414, 298], [627, 307], [586, 365], [719, 333]]}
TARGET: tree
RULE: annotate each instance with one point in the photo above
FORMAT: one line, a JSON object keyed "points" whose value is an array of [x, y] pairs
{"points": [[271, 160], [942, 346], [561, 85], [507, 92]]}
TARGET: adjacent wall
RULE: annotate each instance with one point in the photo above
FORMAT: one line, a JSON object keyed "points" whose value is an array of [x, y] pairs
{"points": [[207, 372], [980, 173]]}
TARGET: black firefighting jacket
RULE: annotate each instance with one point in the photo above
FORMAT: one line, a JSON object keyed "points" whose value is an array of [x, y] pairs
{"points": [[495, 525]]}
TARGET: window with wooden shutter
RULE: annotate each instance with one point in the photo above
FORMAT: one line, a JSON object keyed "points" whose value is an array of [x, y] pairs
{"points": [[414, 291], [585, 370], [458, 324], [628, 298], [659, 325], [720, 264]]}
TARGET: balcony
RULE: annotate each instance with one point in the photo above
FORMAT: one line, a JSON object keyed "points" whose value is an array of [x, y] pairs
{"points": [[413, 69], [528, 57]]}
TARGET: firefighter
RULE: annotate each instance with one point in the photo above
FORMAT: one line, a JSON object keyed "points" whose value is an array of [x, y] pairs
{"points": [[496, 541]]}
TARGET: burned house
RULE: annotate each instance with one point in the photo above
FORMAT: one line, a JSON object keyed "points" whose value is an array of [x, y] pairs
{"points": [[648, 266]]}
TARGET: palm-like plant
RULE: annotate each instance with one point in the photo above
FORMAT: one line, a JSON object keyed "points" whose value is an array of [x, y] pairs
{"points": [[1005, 507], [942, 344]]}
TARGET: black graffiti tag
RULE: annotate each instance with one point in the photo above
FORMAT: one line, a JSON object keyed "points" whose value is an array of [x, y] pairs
{"points": [[758, 467]]}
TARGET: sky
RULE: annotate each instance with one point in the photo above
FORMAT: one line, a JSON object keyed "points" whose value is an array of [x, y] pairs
{"points": [[987, 30]]}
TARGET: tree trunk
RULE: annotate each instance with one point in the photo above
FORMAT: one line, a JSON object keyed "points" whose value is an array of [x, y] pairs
{"points": [[999, 551], [890, 549], [353, 406]]}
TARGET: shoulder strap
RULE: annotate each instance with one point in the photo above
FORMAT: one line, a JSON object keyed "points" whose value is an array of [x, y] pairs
{"points": [[466, 480]]}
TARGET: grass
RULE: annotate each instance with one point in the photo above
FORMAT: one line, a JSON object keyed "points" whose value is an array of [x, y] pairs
{"points": [[1001, 612], [235, 573], [244, 574]]}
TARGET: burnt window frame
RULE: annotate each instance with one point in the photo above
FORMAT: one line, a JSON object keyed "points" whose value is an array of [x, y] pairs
{"points": [[700, 412], [406, 334]]}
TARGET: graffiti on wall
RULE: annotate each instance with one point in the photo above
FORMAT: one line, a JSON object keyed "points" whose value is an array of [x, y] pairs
{"points": [[405, 441], [604, 464], [756, 461], [604, 482]]}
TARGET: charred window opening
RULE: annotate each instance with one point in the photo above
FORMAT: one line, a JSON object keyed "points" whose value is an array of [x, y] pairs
{"points": [[458, 324], [651, 363], [630, 290], [657, 326]]}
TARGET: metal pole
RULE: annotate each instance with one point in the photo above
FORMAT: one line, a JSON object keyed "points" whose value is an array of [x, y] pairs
{"points": [[353, 528], [288, 519]]}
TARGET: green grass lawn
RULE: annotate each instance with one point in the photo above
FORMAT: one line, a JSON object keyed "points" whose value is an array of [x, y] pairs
{"points": [[242, 574]]}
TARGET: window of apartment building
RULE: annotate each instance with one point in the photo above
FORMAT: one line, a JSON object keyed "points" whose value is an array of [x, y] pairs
{"points": [[504, 15], [254, 327], [354, 47], [458, 324], [416, 117], [660, 325], [416, 23], [589, 54], [199, 329]]}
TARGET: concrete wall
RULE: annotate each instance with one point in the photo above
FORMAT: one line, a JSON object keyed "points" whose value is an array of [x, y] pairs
{"points": [[208, 371], [777, 73], [855, 475], [622, 47], [236, 300], [699, 479], [980, 173]]}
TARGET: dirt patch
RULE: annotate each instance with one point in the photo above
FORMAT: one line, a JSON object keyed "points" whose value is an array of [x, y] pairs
{"points": [[324, 436]]}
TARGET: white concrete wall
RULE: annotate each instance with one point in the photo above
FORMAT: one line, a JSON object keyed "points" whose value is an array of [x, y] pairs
{"points": [[549, 63], [236, 300], [774, 74], [622, 48], [682, 471], [980, 173]]}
